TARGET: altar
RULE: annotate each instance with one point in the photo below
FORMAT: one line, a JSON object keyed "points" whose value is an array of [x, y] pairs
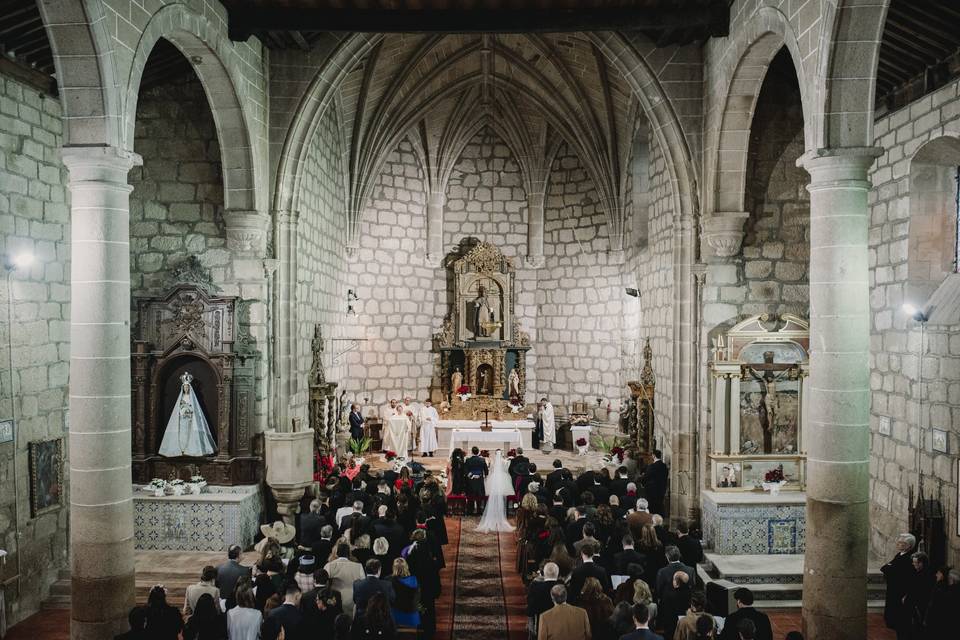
{"points": [[462, 433]]}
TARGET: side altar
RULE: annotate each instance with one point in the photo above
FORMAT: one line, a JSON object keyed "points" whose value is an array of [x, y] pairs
{"points": [[482, 371], [755, 501]]}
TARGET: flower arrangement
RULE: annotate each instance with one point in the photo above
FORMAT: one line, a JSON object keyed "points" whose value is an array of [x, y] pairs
{"points": [[322, 467], [774, 475], [581, 442], [389, 455], [512, 453], [617, 452], [464, 392]]}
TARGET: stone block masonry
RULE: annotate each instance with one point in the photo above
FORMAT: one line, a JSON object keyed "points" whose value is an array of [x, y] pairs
{"points": [[34, 217]]}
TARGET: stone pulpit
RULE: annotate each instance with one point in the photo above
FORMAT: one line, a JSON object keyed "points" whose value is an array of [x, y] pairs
{"points": [[482, 351]]}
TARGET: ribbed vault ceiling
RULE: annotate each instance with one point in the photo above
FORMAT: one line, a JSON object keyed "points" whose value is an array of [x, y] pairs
{"points": [[536, 91]]}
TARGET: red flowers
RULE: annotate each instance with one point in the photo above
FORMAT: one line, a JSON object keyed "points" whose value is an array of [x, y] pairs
{"points": [[617, 452], [389, 455], [774, 475], [512, 453], [463, 390], [581, 442]]}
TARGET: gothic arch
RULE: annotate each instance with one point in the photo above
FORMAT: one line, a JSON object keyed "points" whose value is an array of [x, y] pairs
{"points": [[86, 75], [212, 57], [744, 68], [848, 53]]}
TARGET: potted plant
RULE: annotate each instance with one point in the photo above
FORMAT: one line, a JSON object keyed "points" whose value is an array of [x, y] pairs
{"points": [[197, 484], [177, 487], [359, 447]]}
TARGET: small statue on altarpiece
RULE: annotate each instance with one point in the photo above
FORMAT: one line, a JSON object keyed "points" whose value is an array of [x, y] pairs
{"points": [[317, 375]]}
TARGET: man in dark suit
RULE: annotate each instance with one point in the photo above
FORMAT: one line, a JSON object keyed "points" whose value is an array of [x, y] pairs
{"points": [[364, 589], [623, 559], [641, 618], [745, 611], [323, 548], [618, 486], [574, 530], [557, 478], [229, 572], [475, 468], [655, 479], [287, 617], [538, 592], [347, 521], [691, 551], [310, 525], [589, 569], [519, 468], [356, 423], [665, 575]]}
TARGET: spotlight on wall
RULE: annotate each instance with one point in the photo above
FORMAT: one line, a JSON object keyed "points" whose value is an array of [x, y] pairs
{"points": [[917, 314], [633, 293], [351, 298], [20, 260]]}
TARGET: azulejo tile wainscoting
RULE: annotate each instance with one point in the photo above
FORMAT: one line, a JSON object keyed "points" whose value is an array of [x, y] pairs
{"points": [[754, 523], [210, 521]]}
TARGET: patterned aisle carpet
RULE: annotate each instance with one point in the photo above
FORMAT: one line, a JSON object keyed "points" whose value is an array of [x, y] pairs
{"points": [[479, 609]]}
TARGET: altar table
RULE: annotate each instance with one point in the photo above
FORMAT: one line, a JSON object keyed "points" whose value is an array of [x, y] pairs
{"points": [[446, 429], [503, 437]]}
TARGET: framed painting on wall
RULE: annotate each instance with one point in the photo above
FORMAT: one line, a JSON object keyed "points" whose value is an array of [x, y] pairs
{"points": [[46, 476]]}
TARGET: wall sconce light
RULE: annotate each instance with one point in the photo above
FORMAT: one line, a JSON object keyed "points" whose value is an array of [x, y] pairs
{"points": [[919, 315], [351, 298], [21, 260]]}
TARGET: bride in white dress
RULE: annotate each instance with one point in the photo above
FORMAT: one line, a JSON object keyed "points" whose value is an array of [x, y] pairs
{"points": [[498, 487]]}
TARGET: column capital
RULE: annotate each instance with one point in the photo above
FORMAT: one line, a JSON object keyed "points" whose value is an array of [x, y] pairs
{"points": [[839, 166], [99, 164], [246, 231], [723, 232]]}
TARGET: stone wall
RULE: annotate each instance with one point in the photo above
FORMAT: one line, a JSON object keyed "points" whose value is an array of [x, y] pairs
{"points": [[321, 241], [571, 307], [895, 339], [34, 217]]}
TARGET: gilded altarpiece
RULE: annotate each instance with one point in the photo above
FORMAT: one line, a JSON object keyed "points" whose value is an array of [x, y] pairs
{"points": [[481, 349], [191, 330]]}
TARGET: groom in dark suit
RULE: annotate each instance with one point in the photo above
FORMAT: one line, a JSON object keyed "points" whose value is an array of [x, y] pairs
{"points": [[475, 468]]}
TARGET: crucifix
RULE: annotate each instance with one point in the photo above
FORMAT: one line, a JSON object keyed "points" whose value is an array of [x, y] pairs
{"points": [[486, 420], [767, 375]]}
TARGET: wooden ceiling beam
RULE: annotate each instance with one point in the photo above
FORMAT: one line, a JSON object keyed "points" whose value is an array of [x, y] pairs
{"points": [[244, 21], [922, 30]]}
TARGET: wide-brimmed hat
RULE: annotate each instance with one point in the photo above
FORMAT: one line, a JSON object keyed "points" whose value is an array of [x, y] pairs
{"points": [[279, 531]]}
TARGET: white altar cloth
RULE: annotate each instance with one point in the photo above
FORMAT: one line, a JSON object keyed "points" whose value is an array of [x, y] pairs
{"points": [[469, 436], [445, 429], [396, 436]]}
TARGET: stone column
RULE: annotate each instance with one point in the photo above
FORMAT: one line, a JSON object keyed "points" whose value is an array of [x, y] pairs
{"points": [[838, 454], [435, 203], [286, 331], [534, 256], [101, 501]]}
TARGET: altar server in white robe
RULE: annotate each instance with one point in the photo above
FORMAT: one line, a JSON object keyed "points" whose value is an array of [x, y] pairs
{"points": [[412, 410], [549, 423], [428, 429]]}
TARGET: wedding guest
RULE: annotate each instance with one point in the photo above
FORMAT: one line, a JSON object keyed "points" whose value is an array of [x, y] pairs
{"points": [[588, 569], [244, 620], [405, 608], [538, 594], [641, 629], [655, 480], [563, 621], [691, 550], [207, 585], [229, 572], [944, 603], [163, 621], [377, 621], [285, 619], [687, 626], [206, 623], [425, 568], [745, 611], [321, 606], [674, 602], [899, 574], [137, 619], [918, 595], [665, 575], [343, 573], [599, 608], [311, 525], [370, 584]]}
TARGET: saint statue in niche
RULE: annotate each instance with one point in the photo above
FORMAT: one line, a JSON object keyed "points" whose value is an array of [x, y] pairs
{"points": [[483, 314], [456, 380], [485, 380], [513, 384], [187, 432]]}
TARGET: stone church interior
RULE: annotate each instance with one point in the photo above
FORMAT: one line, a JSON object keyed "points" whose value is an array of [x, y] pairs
{"points": [[479, 318]]}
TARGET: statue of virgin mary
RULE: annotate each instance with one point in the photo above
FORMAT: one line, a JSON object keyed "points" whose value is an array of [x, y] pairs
{"points": [[187, 433]]}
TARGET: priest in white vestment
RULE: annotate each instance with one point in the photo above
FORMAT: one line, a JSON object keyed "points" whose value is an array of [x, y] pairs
{"points": [[396, 435], [412, 410], [387, 411], [549, 425], [428, 429]]}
